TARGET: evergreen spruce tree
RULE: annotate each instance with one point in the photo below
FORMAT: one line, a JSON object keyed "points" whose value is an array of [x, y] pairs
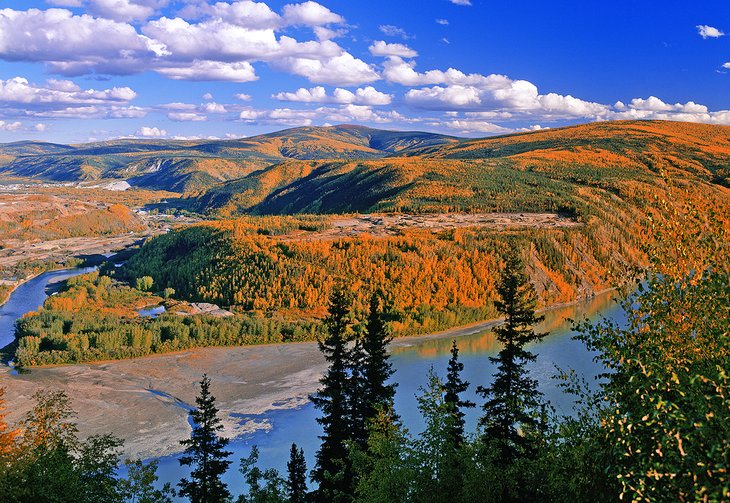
{"points": [[205, 452], [296, 484], [358, 405], [377, 368], [511, 417], [369, 370], [453, 387], [332, 470]]}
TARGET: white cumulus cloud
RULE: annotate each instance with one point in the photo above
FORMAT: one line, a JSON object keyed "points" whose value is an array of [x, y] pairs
{"points": [[212, 70], [125, 10], [706, 31], [362, 96], [151, 132], [10, 126], [343, 70], [310, 14], [187, 117], [382, 48]]}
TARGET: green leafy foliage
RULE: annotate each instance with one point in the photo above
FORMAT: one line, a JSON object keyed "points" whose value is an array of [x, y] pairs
{"points": [[49, 463]]}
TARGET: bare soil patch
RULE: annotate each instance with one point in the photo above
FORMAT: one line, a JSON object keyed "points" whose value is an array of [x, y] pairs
{"points": [[393, 224]]}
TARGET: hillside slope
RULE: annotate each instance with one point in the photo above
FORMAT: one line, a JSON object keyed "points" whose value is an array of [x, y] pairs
{"points": [[541, 171], [185, 166]]}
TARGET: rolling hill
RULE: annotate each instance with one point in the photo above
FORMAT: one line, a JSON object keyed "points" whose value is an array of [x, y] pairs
{"points": [[540, 171], [186, 166]]}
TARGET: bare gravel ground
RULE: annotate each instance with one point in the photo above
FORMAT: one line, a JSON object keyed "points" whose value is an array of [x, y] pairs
{"points": [[393, 224]]}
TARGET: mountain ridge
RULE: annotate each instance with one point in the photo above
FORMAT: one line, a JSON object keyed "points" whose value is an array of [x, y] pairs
{"points": [[188, 165], [482, 174]]}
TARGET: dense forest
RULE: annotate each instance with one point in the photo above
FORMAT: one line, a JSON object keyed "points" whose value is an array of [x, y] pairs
{"points": [[278, 289], [95, 318]]}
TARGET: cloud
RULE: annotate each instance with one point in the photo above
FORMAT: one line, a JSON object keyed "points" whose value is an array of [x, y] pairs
{"points": [[453, 89], [247, 14], [222, 43], [461, 2], [125, 10], [708, 31], [207, 96], [323, 33], [151, 132], [250, 114], [476, 126], [186, 117], [214, 108], [127, 112], [443, 22], [394, 31], [65, 99], [66, 3], [343, 70], [382, 48], [20, 90], [500, 94], [654, 108], [444, 97], [363, 96], [242, 96], [10, 126], [74, 45], [202, 70], [310, 14], [322, 115]]}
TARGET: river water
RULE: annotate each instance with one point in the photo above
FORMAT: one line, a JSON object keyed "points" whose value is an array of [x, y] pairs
{"points": [[28, 297], [411, 358]]}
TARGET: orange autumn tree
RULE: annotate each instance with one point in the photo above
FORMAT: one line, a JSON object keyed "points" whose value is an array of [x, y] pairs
{"points": [[8, 436]]}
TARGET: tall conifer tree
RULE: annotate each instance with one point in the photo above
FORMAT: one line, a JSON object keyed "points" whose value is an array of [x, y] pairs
{"points": [[205, 452], [377, 367], [332, 470], [511, 413], [370, 370], [453, 388], [296, 483]]}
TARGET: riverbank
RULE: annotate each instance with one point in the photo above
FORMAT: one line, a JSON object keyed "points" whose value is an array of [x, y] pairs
{"points": [[143, 400]]}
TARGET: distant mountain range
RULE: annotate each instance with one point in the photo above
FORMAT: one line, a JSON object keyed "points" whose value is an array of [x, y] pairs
{"points": [[185, 166], [353, 168]]}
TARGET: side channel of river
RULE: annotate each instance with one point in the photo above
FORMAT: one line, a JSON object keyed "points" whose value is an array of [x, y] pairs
{"points": [[29, 296]]}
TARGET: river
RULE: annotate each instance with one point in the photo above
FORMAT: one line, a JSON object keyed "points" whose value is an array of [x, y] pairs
{"points": [[411, 358], [29, 296]]}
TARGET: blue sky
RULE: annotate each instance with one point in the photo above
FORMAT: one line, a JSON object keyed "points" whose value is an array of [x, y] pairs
{"points": [[81, 70]]}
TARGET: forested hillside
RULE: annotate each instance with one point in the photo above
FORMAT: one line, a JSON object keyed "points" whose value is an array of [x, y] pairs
{"points": [[35, 217], [542, 171]]}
